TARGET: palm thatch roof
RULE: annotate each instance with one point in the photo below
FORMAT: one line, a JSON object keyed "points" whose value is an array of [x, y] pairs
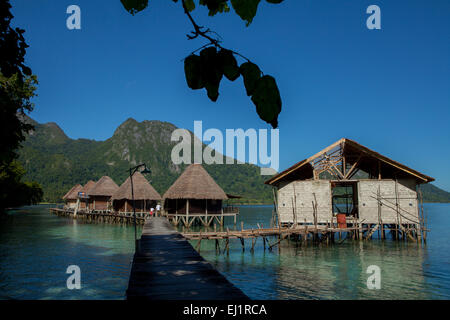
{"points": [[195, 183], [142, 189], [72, 194], [355, 154], [104, 187], [88, 186]]}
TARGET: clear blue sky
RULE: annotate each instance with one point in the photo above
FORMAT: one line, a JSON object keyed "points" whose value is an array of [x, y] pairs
{"points": [[388, 89]]}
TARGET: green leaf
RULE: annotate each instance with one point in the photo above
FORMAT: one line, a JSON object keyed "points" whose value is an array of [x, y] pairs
{"points": [[26, 71], [212, 71], [134, 6], [246, 9], [251, 74], [229, 64], [212, 90], [190, 4], [215, 6], [193, 72], [267, 100]]}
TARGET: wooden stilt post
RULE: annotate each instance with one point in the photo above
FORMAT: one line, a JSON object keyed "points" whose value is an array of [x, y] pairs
{"points": [[397, 208], [294, 207], [205, 223], [276, 207], [187, 213], [379, 209]]}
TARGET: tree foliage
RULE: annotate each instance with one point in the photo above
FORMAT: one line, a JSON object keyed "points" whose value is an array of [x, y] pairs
{"points": [[12, 44], [15, 192], [206, 70], [17, 86]]}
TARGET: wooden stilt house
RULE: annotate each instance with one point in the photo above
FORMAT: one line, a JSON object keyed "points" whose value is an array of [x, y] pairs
{"points": [[101, 193], [195, 195], [350, 182], [145, 196], [71, 197], [83, 195]]}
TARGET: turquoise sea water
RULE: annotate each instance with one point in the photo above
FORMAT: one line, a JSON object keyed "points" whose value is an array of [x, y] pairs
{"points": [[36, 248]]}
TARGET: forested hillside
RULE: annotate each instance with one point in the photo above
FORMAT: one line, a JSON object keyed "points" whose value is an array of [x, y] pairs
{"points": [[58, 162]]}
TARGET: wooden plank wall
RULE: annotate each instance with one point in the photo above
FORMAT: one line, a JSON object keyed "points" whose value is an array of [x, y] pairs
{"points": [[407, 201], [308, 192], [301, 201]]}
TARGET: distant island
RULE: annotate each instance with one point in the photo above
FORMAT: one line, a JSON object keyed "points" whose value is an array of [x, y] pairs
{"points": [[57, 162]]}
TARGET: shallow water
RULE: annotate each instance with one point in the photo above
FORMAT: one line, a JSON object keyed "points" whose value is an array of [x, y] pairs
{"points": [[37, 247]]}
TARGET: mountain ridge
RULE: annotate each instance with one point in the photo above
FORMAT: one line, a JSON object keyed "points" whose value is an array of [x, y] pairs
{"points": [[58, 162]]}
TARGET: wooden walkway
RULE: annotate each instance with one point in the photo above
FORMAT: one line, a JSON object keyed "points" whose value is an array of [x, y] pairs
{"points": [[105, 217], [260, 232], [168, 268], [319, 234]]}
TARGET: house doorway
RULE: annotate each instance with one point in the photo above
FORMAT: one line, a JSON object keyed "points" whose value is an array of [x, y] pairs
{"points": [[345, 198]]}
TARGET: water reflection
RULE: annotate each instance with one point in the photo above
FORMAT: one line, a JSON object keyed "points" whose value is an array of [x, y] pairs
{"points": [[36, 248], [327, 272]]}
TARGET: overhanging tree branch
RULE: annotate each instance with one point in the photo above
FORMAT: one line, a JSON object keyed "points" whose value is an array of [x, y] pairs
{"points": [[199, 31]]}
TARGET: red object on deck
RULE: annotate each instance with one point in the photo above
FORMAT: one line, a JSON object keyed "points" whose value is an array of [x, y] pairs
{"points": [[341, 220]]}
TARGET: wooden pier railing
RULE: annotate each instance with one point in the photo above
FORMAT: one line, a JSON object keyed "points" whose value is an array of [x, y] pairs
{"points": [[102, 216], [205, 219], [318, 233]]}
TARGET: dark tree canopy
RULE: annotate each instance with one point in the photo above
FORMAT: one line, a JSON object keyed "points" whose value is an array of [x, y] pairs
{"points": [[206, 70], [12, 44], [17, 86], [15, 93]]}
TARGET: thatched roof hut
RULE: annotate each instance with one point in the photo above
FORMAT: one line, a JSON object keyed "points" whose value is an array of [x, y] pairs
{"points": [[195, 191], [145, 196], [104, 187], [84, 194], [72, 194], [195, 183], [100, 194], [142, 189], [87, 187]]}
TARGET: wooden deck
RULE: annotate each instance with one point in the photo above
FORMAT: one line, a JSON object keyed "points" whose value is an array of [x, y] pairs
{"points": [[188, 219], [318, 233], [253, 233], [102, 216], [168, 268]]}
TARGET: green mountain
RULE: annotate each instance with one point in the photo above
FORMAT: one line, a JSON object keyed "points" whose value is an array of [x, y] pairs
{"points": [[58, 162], [431, 193]]}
